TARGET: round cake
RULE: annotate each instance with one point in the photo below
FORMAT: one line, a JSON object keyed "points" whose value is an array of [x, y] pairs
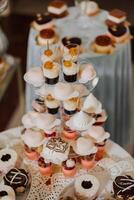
{"points": [[46, 36], [86, 187]]}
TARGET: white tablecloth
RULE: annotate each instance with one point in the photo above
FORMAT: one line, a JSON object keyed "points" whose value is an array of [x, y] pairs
{"points": [[115, 71]]}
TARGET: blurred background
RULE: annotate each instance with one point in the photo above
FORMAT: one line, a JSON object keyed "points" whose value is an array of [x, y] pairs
{"points": [[15, 23]]}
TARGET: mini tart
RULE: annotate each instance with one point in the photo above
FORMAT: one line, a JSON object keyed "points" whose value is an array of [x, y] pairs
{"points": [[46, 36], [102, 44], [69, 167], [123, 187], [6, 193], [71, 105], [119, 34], [52, 104], [68, 133], [43, 22], [70, 71], [57, 9], [31, 153], [38, 105], [44, 168], [51, 72], [18, 179], [88, 162]]}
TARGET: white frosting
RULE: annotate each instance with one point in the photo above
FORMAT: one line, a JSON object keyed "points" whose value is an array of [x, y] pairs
{"points": [[80, 121], [70, 163], [10, 192], [5, 166], [34, 77], [64, 91], [83, 91], [52, 103], [97, 133], [57, 11], [90, 193], [71, 70], [52, 73], [40, 27], [70, 105], [92, 105], [84, 146], [43, 41], [87, 73], [33, 138], [44, 121], [92, 7], [116, 19]]}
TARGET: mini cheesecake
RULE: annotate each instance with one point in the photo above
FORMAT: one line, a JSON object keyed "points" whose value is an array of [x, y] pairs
{"points": [[46, 36], [52, 104], [116, 17], [70, 106], [119, 34], [69, 167], [43, 22], [51, 72], [58, 9], [103, 44], [70, 71]]}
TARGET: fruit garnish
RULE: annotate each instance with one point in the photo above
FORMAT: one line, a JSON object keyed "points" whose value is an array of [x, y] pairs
{"points": [[48, 65]]}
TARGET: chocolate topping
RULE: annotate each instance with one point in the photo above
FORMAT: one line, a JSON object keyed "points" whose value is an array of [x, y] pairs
{"points": [[40, 101], [117, 31], [41, 162], [86, 184], [103, 40], [6, 157], [43, 19], [57, 145], [47, 33], [3, 193], [16, 178], [57, 4], [124, 186], [117, 13], [72, 40]]}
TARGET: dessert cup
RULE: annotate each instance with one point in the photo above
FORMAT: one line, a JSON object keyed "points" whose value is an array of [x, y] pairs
{"points": [[69, 167], [88, 162], [46, 171], [33, 155], [100, 152], [69, 134]]}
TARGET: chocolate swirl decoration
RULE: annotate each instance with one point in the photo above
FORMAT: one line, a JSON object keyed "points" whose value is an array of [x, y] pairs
{"points": [[16, 178], [124, 186], [57, 145]]}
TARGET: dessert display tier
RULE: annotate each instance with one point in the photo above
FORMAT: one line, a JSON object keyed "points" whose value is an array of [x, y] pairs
{"points": [[57, 186], [115, 79]]}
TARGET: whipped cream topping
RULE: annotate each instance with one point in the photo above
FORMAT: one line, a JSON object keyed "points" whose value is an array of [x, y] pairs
{"points": [[70, 163], [116, 19], [52, 73], [57, 11]]}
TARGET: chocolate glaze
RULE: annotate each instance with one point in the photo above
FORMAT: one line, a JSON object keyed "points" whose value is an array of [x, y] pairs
{"points": [[70, 78], [6, 157], [117, 31], [47, 33], [124, 186], [70, 112], [51, 81], [43, 19], [103, 40], [53, 111], [72, 40]]}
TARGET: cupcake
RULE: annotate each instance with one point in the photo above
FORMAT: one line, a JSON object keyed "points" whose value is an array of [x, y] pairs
{"points": [[86, 73], [68, 133], [85, 148], [86, 187], [34, 77], [116, 17], [119, 34], [33, 140], [51, 72], [80, 121], [103, 44], [42, 22], [64, 91], [46, 36], [57, 9], [38, 105], [8, 159], [69, 167], [90, 8], [6, 193], [70, 71], [123, 187], [44, 167], [52, 105], [81, 89], [18, 179], [70, 106], [100, 137]]}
